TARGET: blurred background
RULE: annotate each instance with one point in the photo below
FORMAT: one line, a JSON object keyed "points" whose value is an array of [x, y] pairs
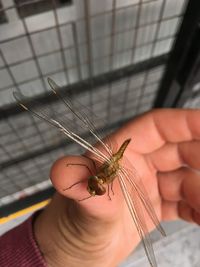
{"points": [[120, 58]]}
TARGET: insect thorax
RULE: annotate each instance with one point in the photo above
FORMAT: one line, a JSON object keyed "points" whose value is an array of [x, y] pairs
{"points": [[108, 171]]}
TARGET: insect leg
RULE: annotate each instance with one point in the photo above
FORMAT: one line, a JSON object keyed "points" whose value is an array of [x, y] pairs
{"points": [[93, 162], [112, 188], [84, 198], [80, 164], [109, 192], [79, 182], [77, 164]]}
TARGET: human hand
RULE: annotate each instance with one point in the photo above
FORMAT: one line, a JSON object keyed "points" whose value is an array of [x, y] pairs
{"points": [[99, 232]]}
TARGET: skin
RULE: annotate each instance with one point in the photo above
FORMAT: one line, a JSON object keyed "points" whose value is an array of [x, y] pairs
{"points": [[97, 232]]}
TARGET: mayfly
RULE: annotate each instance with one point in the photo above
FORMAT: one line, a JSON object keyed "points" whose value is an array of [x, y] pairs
{"points": [[130, 183]]}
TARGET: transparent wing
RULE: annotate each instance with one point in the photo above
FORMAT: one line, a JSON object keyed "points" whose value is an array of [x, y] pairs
{"points": [[134, 205], [62, 123], [80, 112], [135, 182]]}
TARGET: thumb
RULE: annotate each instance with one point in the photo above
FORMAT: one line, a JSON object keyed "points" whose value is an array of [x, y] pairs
{"points": [[69, 176]]}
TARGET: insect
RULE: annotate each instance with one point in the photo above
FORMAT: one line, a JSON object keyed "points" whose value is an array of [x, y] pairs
{"points": [[110, 168], [105, 175]]}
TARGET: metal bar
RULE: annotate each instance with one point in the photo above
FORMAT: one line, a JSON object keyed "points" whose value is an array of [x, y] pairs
{"points": [[78, 61], [9, 15], [33, 52], [41, 76], [91, 16], [171, 86], [18, 166], [191, 74], [113, 22], [33, 32], [95, 39], [132, 56], [60, 41], [7, 119], [4, 116], [7, 66], [62, 50], [99, 80], [151, 54], [88, 36], [84, 62], [89, 50], [10, 179]]}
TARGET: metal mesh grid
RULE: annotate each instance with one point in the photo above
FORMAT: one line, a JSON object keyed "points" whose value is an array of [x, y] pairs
{"points": [[71, 44], [191, 99]]}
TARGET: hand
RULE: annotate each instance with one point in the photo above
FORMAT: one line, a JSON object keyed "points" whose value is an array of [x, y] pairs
{"points": [[98, 232]]}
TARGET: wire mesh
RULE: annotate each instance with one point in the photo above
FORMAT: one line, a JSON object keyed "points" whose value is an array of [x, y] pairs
{"points": [[73, 43]]}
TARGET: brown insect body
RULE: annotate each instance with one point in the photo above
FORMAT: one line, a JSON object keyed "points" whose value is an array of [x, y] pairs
{"points": [[107, 172]]}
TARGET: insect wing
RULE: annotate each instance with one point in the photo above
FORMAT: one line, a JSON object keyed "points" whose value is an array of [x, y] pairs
{"points": [[134, 205], [81, 112], [135, 182], [60, 121]]}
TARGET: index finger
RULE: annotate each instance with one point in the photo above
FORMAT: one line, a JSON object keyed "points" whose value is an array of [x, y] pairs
{"points": [[154, 129]]}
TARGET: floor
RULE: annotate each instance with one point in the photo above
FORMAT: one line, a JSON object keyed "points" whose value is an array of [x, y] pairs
{"points": [[180, 248]]}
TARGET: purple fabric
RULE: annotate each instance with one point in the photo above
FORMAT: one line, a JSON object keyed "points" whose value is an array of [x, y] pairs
{"points": [[18, 247]]}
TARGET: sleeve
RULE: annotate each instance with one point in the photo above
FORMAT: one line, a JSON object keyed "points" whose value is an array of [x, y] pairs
{"points": [[18, 247]]}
